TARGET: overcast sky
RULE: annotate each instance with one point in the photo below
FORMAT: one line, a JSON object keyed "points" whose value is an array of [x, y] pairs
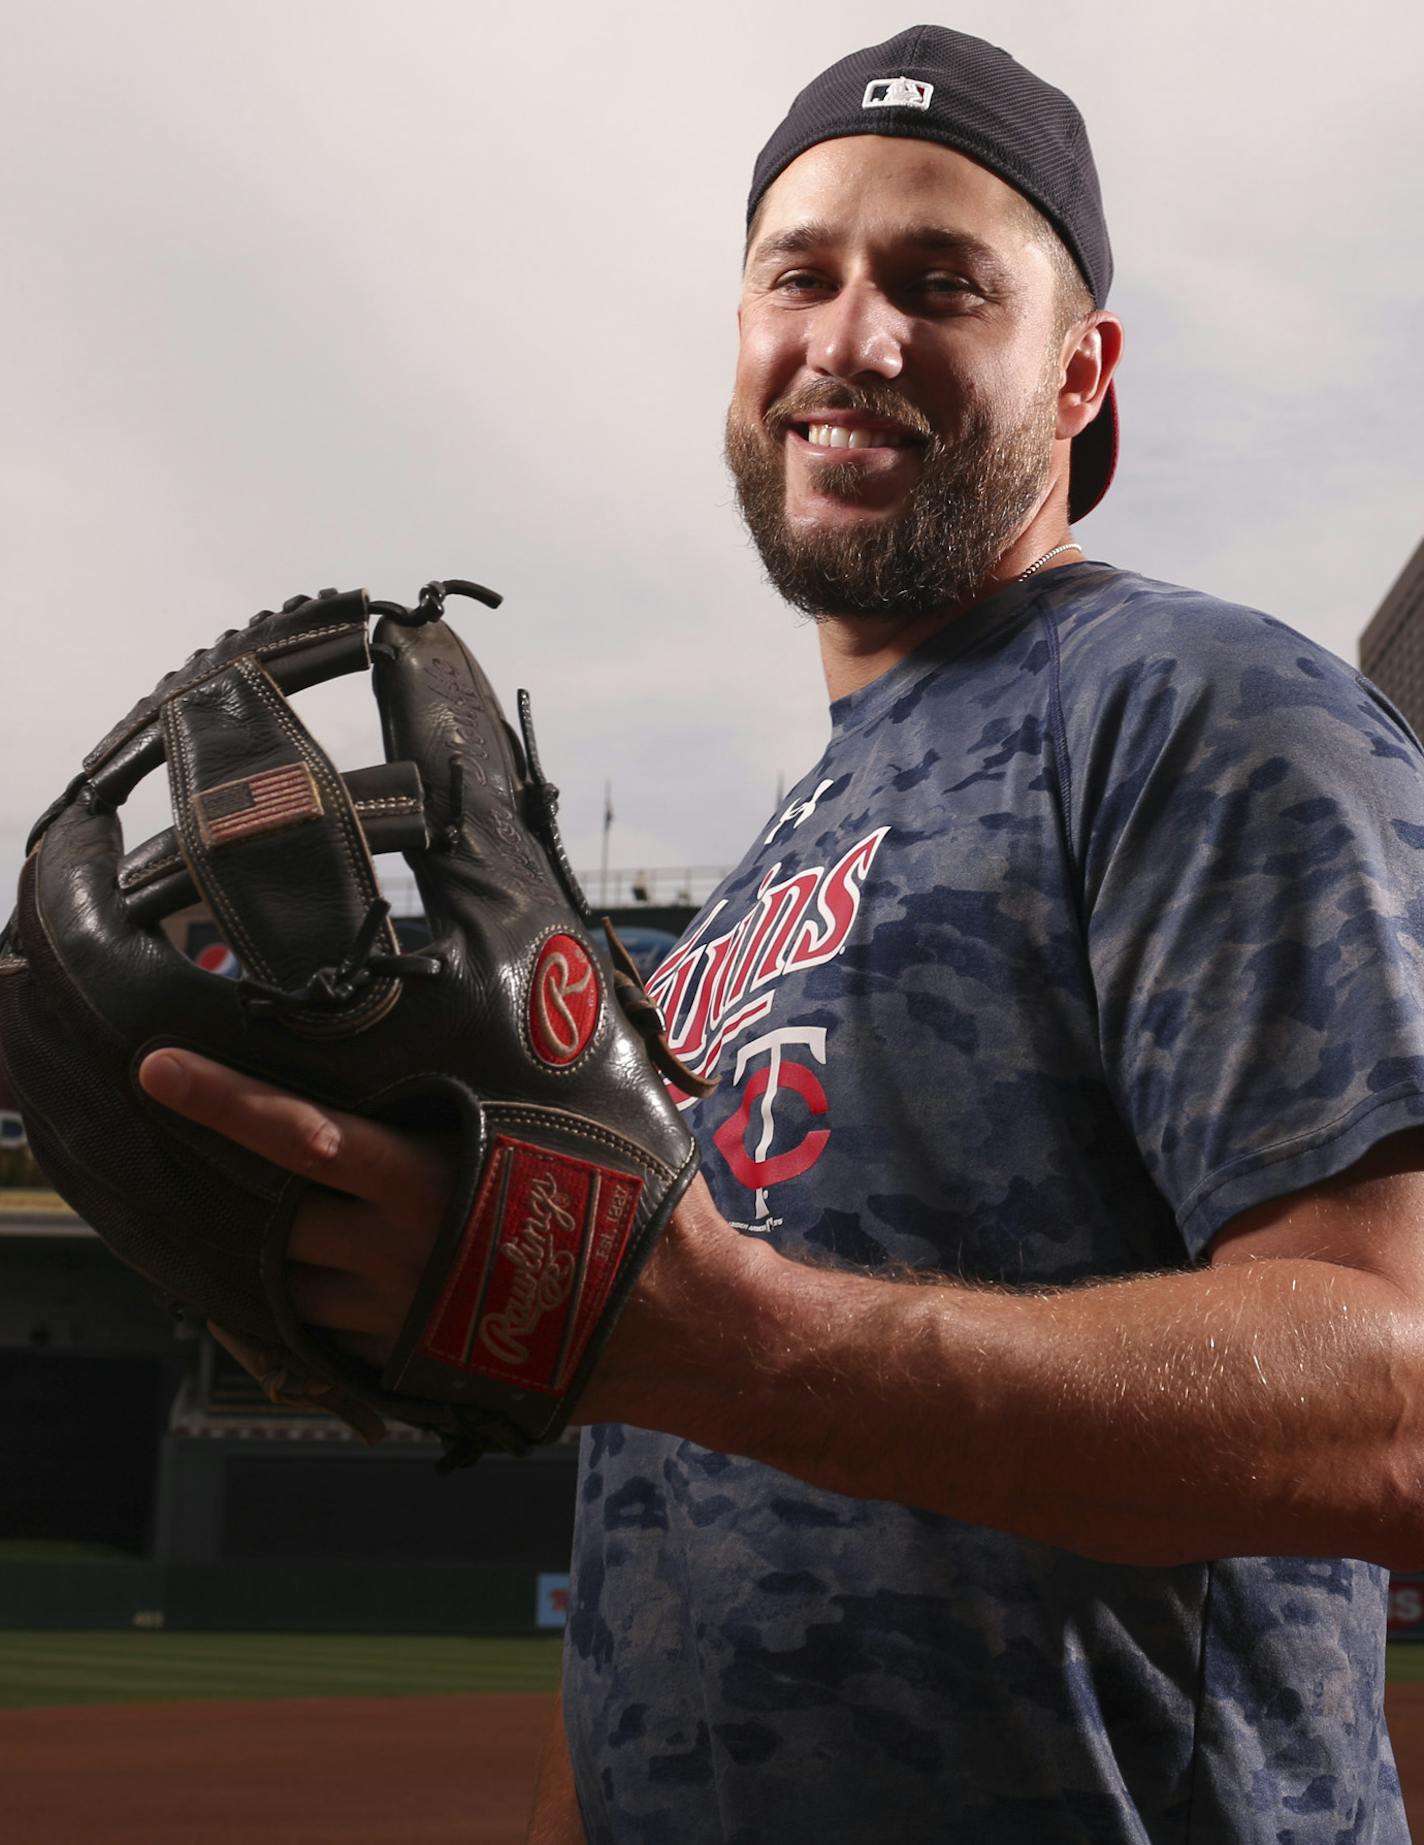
{"points": [[309, 292]]}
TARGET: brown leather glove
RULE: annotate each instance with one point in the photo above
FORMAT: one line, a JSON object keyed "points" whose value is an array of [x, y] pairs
{"points": [[512, 1026]]}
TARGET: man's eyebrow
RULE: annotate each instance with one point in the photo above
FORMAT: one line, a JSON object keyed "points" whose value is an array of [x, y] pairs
{"points": [[795, 242], [800, 239]]}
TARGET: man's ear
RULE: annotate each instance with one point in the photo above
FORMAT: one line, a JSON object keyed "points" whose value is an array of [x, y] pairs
{"points": [[1091, 351]]}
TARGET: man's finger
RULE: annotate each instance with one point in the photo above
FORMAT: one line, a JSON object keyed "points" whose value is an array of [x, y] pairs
{"points": [[332, 1230], [341, 1302], [342, 1151]]}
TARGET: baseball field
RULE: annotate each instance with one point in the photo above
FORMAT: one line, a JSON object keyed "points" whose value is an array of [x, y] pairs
{"points": [[117, 1738]]}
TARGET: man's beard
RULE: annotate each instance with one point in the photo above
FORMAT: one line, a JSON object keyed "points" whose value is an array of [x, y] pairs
{"points": [[970, 501]]}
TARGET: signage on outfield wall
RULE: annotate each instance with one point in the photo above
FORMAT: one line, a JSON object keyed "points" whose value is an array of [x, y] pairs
{"points": [[551, 1599], [1406, 1605]]}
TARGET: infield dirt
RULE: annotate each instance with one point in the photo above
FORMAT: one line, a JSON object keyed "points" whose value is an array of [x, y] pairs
{"points": [[329, 1771], [304, 1771]]}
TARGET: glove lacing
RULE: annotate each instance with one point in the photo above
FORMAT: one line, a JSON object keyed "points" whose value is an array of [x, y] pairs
{"points": [[338, 985]]}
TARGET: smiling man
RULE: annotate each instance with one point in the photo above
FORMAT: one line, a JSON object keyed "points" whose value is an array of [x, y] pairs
{"points": [[898, 385], [987, 1449]]}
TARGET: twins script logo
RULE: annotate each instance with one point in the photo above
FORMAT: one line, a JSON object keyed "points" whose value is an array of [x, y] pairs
{"points": [[563, 1000], [712, 988], [543, 1272]]}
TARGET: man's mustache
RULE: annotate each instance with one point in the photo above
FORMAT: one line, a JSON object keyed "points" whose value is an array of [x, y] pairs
{"points": [[800, 406]]}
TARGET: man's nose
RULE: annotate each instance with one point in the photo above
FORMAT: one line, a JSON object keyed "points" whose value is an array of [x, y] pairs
{"points": [[858, 331]]}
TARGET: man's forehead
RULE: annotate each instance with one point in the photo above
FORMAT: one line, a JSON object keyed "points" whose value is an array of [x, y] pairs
{"points": [[907, 188], [807, 236]]}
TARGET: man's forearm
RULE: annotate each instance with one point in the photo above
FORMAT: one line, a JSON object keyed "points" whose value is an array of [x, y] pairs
{"points": [[1269, 1407]]}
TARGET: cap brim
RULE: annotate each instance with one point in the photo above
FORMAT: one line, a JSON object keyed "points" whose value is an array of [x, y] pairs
{"points": [[1094, 460]]}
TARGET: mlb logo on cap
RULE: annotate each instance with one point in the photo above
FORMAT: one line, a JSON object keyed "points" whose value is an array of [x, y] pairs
{"points": [[897, 93]]}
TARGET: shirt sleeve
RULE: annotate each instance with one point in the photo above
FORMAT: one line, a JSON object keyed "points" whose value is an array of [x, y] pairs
{"points": [[1246, 813]]}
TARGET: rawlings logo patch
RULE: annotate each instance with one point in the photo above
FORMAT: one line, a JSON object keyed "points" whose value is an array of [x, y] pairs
{"points": [[538, 1257], [261, 804], [544, 1265], [564, 998]]}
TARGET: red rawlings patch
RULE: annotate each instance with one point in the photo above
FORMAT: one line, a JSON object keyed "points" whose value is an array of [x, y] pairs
{"points": [[564, 998], [535, 1266]]}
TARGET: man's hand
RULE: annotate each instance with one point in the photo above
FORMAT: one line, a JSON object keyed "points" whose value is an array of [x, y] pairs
{"points": [[363, 1234], [364, 1230]]}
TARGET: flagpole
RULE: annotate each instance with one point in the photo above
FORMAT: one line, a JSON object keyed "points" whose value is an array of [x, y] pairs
{"points": [[607, 828]]}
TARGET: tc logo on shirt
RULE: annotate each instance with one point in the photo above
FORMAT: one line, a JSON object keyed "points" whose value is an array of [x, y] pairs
{"points": [[779, 1076]]}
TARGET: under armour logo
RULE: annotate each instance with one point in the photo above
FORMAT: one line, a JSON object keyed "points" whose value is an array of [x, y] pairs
{"points": [[797, 812]]}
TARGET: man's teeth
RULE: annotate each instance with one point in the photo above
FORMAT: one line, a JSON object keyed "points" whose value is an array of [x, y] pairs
{"points": [[836, 435]]}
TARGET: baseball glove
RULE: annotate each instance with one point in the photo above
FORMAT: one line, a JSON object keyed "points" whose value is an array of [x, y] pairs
{"points": [[513, 1026]]}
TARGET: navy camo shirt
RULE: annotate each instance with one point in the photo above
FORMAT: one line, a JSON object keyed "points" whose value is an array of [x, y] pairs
{"points": [[1100, 919]]}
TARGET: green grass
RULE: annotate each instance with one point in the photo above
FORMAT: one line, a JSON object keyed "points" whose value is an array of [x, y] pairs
{"points": [[1404, 1660], [119, 1667], [142, 1668]]}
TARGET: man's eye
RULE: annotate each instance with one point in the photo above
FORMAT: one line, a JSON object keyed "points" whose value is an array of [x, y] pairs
{"points": [[945, 285], [800, 281]]}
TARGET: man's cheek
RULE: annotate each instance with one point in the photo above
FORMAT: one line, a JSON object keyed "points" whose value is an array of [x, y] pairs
{"points": [[768, 360]]}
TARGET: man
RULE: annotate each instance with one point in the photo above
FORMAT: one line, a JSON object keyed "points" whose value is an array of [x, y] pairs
{"points": [[1077, 984]]}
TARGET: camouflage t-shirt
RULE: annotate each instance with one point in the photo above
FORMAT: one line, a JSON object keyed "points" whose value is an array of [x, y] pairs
{"points": [[1100, 919]]}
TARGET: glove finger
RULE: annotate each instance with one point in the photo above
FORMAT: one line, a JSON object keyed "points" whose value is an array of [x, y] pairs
{"points": [[256, 1360], [345, 1152], [285, 1383]]}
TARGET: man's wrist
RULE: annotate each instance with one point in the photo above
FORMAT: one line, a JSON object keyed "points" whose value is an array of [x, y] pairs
{"points": [[689, 1338]]}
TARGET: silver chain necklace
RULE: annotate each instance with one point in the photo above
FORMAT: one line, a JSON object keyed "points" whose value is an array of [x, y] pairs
{"points": [[1057, 551]]}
